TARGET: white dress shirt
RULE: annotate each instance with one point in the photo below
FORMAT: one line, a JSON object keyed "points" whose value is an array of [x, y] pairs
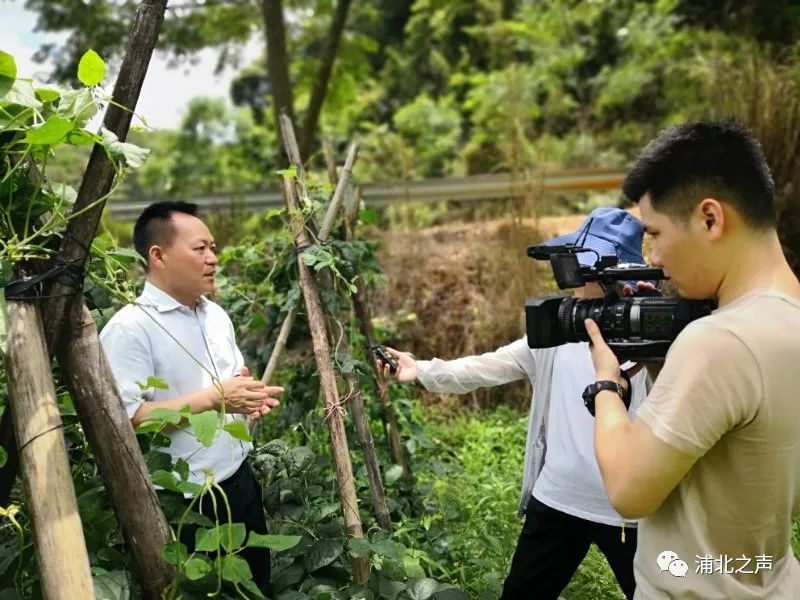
{"points": [[157, 336]]}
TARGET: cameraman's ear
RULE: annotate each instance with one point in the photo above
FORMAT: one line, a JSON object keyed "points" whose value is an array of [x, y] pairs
{"points": [[713, 217]]}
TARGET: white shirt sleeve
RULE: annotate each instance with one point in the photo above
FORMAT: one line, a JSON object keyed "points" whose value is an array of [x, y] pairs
{"points": [[131, 363], [462, 375]]}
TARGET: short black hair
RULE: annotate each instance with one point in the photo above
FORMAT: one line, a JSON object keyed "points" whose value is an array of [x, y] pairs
{"points": [[154, 225], [717, 159]]}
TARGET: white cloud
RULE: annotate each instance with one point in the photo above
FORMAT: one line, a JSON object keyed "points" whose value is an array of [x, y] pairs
{"points": [[166, 91]]}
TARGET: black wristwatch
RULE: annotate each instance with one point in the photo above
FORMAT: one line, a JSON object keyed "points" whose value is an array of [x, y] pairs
{"points": [[594, 388]]}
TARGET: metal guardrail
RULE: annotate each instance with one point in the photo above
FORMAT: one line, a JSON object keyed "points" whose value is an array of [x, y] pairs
{"points": [[474, 187]]}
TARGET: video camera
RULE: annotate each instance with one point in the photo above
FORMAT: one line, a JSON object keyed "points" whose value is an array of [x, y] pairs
{"points": [[638, 328]]}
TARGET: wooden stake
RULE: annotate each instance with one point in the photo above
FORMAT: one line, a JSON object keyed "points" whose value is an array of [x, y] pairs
{"points": [[87, 375], [57, 531], [322, 354], [361, 309], [327, 224]]}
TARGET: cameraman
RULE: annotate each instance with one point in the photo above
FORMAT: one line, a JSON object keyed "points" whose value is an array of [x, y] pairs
{"points": [[711, 463], [563, 500]]}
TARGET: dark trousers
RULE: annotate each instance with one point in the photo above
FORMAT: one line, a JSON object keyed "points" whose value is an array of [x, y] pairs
{"points": [[551, 547], [244, 497]]}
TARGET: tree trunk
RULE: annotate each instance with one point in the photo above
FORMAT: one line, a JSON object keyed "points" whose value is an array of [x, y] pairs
{"points": [[109, 431], [278, 65], [100, 171], [57, 531], [322, 80]]}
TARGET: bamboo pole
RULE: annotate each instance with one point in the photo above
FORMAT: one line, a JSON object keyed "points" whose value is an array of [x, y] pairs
{"points": [[361, 309], [57, 531], [319, 337]]}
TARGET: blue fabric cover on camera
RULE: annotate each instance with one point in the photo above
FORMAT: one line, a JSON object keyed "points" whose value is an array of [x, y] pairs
{"points": [[610, 231]]}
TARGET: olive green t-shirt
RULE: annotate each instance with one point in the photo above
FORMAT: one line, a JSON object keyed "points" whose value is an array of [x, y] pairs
{"points": [[729, 394]]}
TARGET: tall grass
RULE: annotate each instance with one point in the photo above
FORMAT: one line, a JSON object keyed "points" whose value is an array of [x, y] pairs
{"points": [[762, 91], [471, 476]]}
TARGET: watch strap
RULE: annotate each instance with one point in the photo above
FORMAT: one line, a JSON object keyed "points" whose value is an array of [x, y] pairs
{"points": [[593, 389]]}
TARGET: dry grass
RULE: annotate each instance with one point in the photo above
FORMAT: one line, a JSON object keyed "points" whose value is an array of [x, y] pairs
{"points": [[763, 92], [457, 290]]}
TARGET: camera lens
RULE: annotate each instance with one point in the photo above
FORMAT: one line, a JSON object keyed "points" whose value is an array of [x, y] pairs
{"points": [[630, 318]]}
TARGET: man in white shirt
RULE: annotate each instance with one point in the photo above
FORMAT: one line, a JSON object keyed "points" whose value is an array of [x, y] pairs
{"points": [[173, 333], [563, 500]]}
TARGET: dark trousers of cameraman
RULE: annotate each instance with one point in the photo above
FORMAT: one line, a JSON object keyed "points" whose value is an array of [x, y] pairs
{"points": [[553, 544], [244, 496]]}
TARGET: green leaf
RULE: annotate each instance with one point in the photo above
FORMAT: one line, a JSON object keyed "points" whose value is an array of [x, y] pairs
{"points": [[50, 132], [91, 68], [165, 415], [64, 192], [251, 588], [288, 577], [228, 535], [196, 568], [233, 535], [204, 425], [81, 137], [207, 540], [158, 461], [448, 592], [8, 72], [157, 383], [77, 105], [174, 552], [128, 154], [165, 479], [22, 93], [46, 94], [187, 487], [182, 469], [289, 172], [110, 585], [358, 547], [235, 569], [387, 548], [322, 553], [421, 589], [278, 543], [126, 255], [238, 429], [393, 473], [390, 589], [4, 457]]}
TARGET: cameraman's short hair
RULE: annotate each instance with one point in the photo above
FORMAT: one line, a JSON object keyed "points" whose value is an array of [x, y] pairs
{"points": [[154, 226], [713, 159]]}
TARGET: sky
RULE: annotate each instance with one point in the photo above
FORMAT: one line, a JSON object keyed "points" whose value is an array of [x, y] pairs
{"points": [[166, 92]]}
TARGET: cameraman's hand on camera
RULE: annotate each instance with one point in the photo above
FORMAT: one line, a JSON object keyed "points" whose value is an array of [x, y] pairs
{"points": [[627, 289], [606, 364], [406, 367], [653, 368]]}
